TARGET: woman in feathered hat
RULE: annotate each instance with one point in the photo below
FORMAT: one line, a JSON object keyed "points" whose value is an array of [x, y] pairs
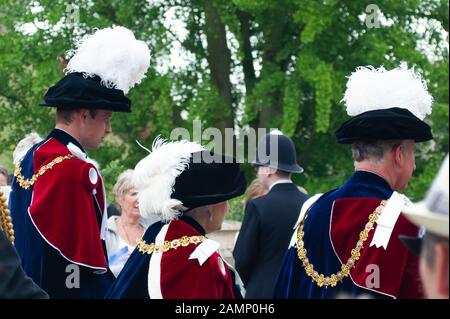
{"points": [[180, 184], [58, 200], [347, 241]]}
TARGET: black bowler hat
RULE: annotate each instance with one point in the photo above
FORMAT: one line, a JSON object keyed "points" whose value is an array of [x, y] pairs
{"points": [[389, 124], [179, 176], [106, 65], [386, 105], [277, 151]]}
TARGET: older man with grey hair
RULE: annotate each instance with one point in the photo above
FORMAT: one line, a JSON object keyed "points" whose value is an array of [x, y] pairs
{"points": [[346, 240]]}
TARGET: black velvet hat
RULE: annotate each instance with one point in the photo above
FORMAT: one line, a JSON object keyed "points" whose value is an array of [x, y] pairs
{"points": [[74, 91], [386, 105], [277, 151], [182, 175], [105, 66], [209, 183], [388, 124]]}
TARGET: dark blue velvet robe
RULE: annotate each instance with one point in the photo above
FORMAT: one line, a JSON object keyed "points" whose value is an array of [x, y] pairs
{"points": [[42, 262], [292, 281]]}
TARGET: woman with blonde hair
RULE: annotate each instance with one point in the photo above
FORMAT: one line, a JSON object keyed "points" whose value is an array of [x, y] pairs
{"points": [[123, 231]]}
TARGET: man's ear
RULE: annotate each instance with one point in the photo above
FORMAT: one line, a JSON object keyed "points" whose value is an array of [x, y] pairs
{"points": [[82, 114], [397, 154], [441, 267]]}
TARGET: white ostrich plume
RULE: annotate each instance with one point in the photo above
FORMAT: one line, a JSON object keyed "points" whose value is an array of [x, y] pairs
{"points": [[154, 177], [114, 55], [371, 89], [24, 145]]}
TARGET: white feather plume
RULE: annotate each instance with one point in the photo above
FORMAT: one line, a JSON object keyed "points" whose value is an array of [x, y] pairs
{"points": [[24, 145], [374, 89], [114, 55], [154, 177]]}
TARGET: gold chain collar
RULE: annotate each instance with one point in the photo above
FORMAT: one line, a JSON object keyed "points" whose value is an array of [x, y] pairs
{"points": [[5, 219], [184, 241], [27, 183], [322, 280]]}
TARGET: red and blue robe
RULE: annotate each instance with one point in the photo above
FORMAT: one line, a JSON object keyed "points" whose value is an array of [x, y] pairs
{"points": [[172, 274], [332, 230], [57, 222]]}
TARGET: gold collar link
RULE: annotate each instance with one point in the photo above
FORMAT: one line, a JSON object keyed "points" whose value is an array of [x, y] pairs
{"points": [[322, 280], [27, 183], [184, 241]]}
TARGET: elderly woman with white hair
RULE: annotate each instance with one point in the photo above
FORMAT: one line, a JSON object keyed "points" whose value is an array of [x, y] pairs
{"points": [[188, 189], [125, 230]]}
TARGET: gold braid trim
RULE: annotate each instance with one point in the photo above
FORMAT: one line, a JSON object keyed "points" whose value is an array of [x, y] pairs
{"points": [[184, 241], [322, 280], [6, 224], [27, 183]]}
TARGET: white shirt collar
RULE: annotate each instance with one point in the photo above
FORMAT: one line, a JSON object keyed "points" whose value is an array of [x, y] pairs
{"points": [[281, 181]]}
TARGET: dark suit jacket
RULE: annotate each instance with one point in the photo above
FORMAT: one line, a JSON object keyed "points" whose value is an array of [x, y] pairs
{"points": [[14, 284], [264, 238]]}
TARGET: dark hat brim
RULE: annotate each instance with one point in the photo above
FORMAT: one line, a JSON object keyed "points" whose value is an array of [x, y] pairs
{"points": [[294, 168], [207, 183], [77, 91], [389, 124], [413, 244]]}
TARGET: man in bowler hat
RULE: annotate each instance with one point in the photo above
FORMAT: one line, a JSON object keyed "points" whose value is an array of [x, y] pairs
{"points": [[58, 202], [269, 220]]}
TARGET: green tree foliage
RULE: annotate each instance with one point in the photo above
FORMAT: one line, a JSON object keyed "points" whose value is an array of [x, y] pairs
{"points": [[250, 63]]}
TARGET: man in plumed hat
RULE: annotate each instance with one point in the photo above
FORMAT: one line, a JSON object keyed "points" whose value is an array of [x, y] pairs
{"points": [[58, 202], [347, 240], [269, 220], [432, 247], [178, 183]]}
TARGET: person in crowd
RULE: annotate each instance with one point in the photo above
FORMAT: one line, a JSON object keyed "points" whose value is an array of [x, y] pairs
{"points": [[432, 214], [58, 201], [269, 220], [346, 241], [3, 176], [124, 231], [187, 188], [24, 145]]}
